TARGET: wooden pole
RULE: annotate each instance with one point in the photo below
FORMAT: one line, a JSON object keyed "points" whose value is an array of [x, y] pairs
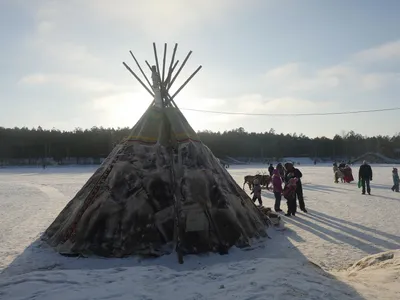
{"points": [[147, 63], [156, 57], [170, 100], [138, 79], [179, 70], [168, 79], [171, 64], [141, 70], [151, 70], [186, 82], [164, 59]]}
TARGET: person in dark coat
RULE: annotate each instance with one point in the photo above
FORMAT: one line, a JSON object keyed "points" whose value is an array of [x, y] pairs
{"points": [[289, 192], [271, 170], [396, 180], [256, 192], [292, 171], [365, 176]]}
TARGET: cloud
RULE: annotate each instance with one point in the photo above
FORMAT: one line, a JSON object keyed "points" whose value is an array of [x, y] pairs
{"points": [[388, 51], [296, 77], [52, 38], [281, 72], [73, 46], [63, 53], [374, 81], [348, 75], [147, 17], [257, 103], [73, 82], [250, 103], [155, 16], [45, 27], [119, 109]]}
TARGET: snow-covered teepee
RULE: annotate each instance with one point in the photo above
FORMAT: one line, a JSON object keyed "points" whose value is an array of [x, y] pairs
{"points": [[161, 187]]}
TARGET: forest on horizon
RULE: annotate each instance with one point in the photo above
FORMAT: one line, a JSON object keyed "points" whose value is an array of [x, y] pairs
{"points": [[97, 142]]}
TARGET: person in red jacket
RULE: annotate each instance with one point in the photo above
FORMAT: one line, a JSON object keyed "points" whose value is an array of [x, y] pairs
{"points": [[277, 189]]}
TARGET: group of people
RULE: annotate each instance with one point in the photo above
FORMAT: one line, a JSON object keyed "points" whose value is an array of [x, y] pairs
{"points": [[343, 171], [364, 176], [286, 182]]}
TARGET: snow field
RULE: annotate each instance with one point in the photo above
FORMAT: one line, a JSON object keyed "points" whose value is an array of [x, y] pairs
{"points": [[342, 227]]}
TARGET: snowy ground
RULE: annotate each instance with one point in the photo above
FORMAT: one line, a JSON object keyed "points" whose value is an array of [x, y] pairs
{"points": [[341, 228]]}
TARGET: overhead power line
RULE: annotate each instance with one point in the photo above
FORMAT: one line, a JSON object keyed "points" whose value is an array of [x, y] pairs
{"points": [[294, 114]]}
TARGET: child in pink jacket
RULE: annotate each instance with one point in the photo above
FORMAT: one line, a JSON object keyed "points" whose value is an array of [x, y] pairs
{"points": [[277, 189]]}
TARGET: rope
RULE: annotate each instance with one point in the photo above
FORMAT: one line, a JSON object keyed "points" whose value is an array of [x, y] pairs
{"points": [[294, 114]]}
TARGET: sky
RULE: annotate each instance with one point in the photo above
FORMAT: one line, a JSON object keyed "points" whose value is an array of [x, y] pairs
{"points": [[61, 63]]}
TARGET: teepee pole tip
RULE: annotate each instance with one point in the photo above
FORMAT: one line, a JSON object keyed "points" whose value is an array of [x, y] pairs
{"points": [[141, 70], [138, 79], [163, 64], [186, 82]]}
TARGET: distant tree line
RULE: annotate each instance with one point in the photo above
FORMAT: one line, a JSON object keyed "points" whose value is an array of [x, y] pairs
{"points": [[36, 143]]}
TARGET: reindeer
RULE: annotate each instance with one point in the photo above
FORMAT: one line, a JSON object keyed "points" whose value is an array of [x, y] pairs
{"points": [[249, 179], [338, 174], [264, 180]]}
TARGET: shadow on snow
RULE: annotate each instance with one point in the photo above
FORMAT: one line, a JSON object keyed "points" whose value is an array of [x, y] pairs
{"points": [[265, 254]]}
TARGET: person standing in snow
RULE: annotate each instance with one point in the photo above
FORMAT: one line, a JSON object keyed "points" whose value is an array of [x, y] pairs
{"points": [[348, 174], [396, 180], [281, 170], [277, 189], [290, 169], [271, 169], [289, 192], [256, 192], [365, 176]]}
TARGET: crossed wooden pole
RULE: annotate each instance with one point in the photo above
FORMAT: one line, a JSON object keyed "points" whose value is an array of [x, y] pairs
{"points": [[162, 79]]}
